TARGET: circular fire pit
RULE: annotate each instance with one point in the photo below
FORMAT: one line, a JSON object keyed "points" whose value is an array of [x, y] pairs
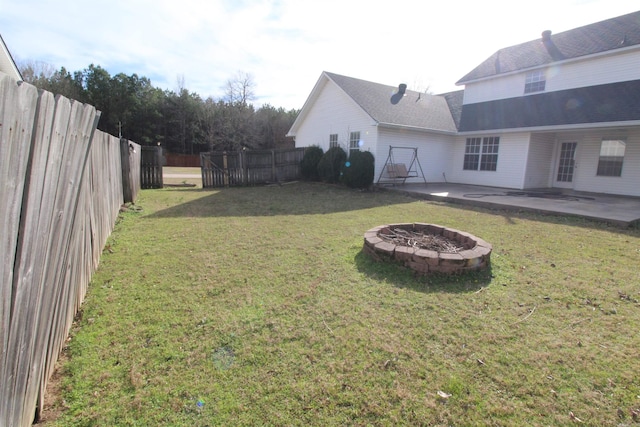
{"points": [[427, 248]]}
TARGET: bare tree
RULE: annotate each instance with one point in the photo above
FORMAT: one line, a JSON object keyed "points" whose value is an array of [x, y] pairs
{"points": [[240, 89], [35, 71]]}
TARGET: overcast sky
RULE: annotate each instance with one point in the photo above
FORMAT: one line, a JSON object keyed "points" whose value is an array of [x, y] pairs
{"points": [[285, 44]]}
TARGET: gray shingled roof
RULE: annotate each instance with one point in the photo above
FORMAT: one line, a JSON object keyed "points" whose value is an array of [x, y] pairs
{"points": [[614, 33], [415, 109]]}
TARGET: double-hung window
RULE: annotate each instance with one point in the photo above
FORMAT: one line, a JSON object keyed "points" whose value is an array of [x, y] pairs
{"points": [[333, 140], [611, 157], [535, 81], [481, 153], [354, 141]]}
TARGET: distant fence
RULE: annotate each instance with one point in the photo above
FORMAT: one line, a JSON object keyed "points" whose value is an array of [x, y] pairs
{"points": [[234, 168], [61, 192], [182, 160]]}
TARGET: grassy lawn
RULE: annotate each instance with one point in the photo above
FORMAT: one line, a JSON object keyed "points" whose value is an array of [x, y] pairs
{"points": [[256, 306]]}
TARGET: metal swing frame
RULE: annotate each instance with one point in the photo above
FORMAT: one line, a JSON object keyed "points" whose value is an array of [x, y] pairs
{"points": [[397, 173]]}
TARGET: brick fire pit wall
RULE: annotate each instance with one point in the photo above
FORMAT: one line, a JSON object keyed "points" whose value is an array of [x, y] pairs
{"points": [[474, 255]]}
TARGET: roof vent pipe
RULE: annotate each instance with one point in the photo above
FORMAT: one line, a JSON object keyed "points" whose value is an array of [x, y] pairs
{"points": [[550, 46], [402, 88]]}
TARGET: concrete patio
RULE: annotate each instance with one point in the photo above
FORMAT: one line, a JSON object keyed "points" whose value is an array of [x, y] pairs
{"points": [[619, 210]]}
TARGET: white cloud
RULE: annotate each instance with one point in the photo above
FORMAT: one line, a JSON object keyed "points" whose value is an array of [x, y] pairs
{"points": [[284, 44]]}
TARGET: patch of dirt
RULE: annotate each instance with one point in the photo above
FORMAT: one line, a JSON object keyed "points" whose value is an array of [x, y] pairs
{"points": [[54, 404], [418, 240]]}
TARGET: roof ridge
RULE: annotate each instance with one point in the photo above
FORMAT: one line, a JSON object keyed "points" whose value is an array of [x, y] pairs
{"points": [[602, 36]]}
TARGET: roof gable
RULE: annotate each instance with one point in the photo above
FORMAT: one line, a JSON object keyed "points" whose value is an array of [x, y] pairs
{"points": [[603, 36], [385, 105]]}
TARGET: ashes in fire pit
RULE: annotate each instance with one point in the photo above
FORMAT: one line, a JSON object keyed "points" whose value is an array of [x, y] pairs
{"points": [[427, 248]]}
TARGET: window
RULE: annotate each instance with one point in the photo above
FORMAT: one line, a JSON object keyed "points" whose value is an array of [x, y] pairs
{"points": [[472, 154], [333, 140], [481, 153], [611, 157], [534, 81], [354, 141]]}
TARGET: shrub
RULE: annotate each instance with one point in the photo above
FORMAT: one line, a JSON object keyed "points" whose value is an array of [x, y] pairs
{"points": [[330, 164], [309, 163], [359, 171]]}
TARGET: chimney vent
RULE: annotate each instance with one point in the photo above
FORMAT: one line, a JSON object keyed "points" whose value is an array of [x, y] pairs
{"points": [[550, 46], [402, 88]]}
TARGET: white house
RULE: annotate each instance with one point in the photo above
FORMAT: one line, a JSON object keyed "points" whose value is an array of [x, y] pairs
{"points": [[7, 64], [562, 111]]}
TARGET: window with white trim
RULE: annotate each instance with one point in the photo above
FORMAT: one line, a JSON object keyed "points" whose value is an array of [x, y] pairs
{"points": [[333, 140], [354, 141], [535, 81], [611, 157], [481, 153]]}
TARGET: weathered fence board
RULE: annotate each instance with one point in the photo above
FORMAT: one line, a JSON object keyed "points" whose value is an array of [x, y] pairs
{"points": [[247, 167], [62, 195], [17, 112]]}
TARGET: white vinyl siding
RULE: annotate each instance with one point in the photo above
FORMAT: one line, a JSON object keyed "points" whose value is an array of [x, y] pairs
{"points": [[540, 161], [588, 155], [334, 112], [434, 152], [590, 71], [509, 174]]}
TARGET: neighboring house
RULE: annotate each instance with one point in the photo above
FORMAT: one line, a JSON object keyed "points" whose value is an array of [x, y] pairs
{"points": [[562, 111], [7, 65]]}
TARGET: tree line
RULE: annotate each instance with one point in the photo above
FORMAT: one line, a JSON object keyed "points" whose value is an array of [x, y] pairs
{"points": [[180, 121]]}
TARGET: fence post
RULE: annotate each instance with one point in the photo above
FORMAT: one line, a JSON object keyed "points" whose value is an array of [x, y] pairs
{"points": [[244, 164], [225, 169], [274, 176], [126, 171]]}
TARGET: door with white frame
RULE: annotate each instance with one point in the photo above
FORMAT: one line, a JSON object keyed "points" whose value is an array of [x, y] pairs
{"points": [[566, 165]]}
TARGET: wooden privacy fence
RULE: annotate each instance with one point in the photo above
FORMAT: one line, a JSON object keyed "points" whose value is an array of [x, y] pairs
{"points": [[61, 192], [247, 167], [151, 167], [182, 160]]}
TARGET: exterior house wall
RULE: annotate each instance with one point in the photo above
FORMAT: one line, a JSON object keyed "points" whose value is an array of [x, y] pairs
{"points": [[433, 152], [590, 71], [587, 156], [540, 161], [510, 171], [334, 112]]}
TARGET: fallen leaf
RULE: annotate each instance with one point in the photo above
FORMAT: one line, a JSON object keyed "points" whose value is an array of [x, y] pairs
{"points": [[574, 418], [443, 395]]}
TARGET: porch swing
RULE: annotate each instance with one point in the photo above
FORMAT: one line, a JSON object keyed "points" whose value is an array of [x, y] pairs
{"points": [[395, 172]]}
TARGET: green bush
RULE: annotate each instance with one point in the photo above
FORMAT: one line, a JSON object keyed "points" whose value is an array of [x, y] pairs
{"points": [[330, 164], [309, 163], [359, 171]]}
